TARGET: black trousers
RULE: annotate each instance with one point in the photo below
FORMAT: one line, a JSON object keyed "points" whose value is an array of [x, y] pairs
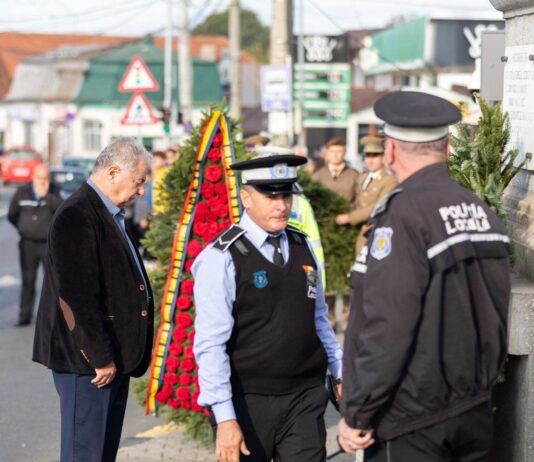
{"points": [[91, 417], [283, 428], [464, 438], [31, 253]]}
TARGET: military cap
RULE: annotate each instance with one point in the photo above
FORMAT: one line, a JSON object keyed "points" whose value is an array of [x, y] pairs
{"points": [[272, 171], [372, 144], [257, 140], [415, 116]]}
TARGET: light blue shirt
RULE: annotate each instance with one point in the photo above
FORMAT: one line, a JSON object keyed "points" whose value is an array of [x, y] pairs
{"points": [[214, 274], [118, 216]]}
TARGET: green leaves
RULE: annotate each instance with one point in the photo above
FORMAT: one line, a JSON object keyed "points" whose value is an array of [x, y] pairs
{"points": [[479, 161]]}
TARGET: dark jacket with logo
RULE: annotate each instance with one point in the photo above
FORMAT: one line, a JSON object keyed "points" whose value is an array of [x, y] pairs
{"points": [[427, 333], [31, 216], [94, 307]]}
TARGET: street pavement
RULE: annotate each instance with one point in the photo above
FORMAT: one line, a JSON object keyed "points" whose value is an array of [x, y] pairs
{"points": [[29, 416]]}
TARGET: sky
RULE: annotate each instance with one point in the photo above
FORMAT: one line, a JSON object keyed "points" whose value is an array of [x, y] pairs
{"points": [[137, 17]]}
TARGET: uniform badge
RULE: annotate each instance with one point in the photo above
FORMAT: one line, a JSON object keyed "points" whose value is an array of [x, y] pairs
{"points": [[312, 279], [381, 246], [260, 279]]}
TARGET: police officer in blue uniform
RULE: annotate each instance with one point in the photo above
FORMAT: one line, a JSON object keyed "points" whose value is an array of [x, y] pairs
{"points": [[427, 331], [263, 341]]}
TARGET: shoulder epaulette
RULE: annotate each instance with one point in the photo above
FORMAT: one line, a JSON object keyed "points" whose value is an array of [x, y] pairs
{"points": [[382, 205], [227, 238], [298, 234]]}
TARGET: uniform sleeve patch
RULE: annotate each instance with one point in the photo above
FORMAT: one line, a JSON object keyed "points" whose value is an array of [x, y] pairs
{"points": [[381, 246]]}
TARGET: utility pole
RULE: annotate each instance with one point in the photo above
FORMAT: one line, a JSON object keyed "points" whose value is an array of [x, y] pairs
{"points": [[299, 119], [167, 77], [184, 60], [281, 38], [234, 29]]}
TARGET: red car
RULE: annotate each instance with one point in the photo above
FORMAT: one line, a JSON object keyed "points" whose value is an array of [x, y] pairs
{"points": [[18, 163]]}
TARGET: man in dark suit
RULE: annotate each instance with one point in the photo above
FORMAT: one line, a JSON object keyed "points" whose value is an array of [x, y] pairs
{"points": [[31, 211], [95, 323]]}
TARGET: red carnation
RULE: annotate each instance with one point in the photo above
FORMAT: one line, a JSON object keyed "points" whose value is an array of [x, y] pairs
{"points": [[213, 173], [195, 380], [220, 189], [188, 264], [182, 393], [207, 190], [222, 199], [172, 363], [174, 403], [196, 408], [189, 352], [214, 155], [192, 337], [207, 412], [187, 287], [194, 248], [200, 228], [183, 320], [188, 365], [161, 398], [165, 393], [213, 227], [179, 335], [194, 397], [185, 379], [217, 140], [176, 349], [170, 378], [186, 404], [183, 303], [222, 210]]}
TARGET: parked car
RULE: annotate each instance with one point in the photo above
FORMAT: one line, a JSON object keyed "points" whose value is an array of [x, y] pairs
{"points": [[18, 163], [87, 163], [68, 179]]}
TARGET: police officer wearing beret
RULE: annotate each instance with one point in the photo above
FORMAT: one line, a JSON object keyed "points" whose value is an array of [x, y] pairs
{"points": [[427, 331], [263, 341]]}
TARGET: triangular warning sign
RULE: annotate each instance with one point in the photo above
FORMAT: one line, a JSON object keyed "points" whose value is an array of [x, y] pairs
{"points": [[138, 77], [138, 112]]}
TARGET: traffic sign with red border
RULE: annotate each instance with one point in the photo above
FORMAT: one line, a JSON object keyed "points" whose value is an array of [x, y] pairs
{"points": [[139, 111], [138, 77]]}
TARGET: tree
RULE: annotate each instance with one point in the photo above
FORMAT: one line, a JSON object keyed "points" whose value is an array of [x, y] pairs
{"points": [[254, 34], [480, 161]]}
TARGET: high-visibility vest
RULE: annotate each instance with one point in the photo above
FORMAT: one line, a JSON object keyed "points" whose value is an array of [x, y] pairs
{"points": [[302, 217]]}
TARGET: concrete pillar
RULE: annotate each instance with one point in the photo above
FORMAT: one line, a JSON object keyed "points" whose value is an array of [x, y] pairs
{"points": [[514, 399]]}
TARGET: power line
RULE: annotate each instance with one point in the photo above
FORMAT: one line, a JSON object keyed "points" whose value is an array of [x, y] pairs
{"points": [[100, 12], [326, 15]]}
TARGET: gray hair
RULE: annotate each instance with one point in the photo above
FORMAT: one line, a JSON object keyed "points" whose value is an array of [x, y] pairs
{"points": [[125, 152], [438, 147]]}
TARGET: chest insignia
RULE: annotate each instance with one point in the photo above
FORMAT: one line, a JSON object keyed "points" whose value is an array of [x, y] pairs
{"points": [[381, 246], [260, 279]]}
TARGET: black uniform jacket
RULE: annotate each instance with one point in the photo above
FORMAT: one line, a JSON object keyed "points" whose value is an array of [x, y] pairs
{"points": [[30, 216], [95, 306], [427, 333]]}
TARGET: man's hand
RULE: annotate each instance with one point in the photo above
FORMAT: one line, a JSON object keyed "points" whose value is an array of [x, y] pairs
{"points": [[230, 442], [352, 439], [342, 219], [104, 375]]}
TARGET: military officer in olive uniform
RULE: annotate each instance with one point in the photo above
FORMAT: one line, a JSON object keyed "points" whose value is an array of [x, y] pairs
{"points": [[370, 187]]}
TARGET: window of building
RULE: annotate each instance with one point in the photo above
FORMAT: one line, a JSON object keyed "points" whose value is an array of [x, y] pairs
{"points": [[92, 135]]}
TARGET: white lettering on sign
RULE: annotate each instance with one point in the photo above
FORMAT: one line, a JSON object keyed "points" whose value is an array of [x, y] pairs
{"points": [[319, 48], [464, 217]]}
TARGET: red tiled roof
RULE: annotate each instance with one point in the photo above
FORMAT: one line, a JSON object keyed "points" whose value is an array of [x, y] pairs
{"points": [[208, 47], [16, 47]]}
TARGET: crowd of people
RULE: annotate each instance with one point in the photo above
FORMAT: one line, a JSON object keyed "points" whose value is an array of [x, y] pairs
{"points": [[426, 335]]}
